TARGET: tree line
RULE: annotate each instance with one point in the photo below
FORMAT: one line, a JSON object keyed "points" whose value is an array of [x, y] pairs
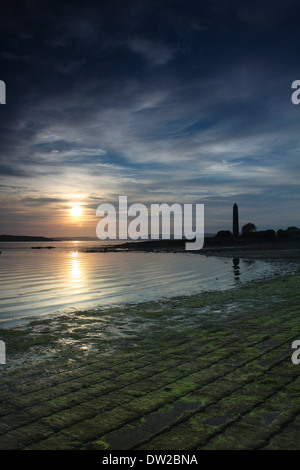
{"points": [[250, 232]]}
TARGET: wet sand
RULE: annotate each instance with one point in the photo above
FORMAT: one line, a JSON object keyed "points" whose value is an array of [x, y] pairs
{"points": [[263, 252]]}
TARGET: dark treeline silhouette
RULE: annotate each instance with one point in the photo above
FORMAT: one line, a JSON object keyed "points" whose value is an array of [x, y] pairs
{"points": [[250, 233]]}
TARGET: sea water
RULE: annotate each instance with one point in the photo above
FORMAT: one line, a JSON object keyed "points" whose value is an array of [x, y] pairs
{"points": [[38, 282]]}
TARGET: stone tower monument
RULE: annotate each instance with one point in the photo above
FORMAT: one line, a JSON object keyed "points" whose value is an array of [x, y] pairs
{"points": [[235, 221]]}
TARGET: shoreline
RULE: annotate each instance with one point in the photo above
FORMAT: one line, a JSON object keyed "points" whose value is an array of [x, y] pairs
{"points": [[263, 251]]}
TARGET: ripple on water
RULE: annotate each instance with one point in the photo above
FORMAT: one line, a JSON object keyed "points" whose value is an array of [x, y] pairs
{"points": [[34, 283]]}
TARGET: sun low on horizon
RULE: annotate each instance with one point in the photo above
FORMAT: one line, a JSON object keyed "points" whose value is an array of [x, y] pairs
{"points": [[76, 211]]}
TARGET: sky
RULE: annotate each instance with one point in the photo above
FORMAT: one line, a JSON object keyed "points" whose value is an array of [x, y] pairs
{"points": [[162, 101]]}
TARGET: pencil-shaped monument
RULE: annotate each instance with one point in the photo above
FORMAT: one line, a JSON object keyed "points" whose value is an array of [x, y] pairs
{"points": [[235, 221]]}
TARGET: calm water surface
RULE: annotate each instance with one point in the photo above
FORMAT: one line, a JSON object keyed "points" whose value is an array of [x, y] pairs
{"points": [[41, 282]]}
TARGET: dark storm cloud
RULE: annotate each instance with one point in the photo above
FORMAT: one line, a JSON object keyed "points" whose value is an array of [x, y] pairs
{"points": [[147, 94]]}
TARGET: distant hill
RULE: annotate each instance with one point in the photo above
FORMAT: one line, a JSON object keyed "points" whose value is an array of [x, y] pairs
{"points": [[71, 239], [23, 238]]}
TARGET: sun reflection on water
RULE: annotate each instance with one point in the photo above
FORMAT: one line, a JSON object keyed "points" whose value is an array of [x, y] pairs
{"points": [[76, 271]]}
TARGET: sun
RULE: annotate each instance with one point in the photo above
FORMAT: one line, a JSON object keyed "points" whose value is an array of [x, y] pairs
{"points": [[76, 211]]}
